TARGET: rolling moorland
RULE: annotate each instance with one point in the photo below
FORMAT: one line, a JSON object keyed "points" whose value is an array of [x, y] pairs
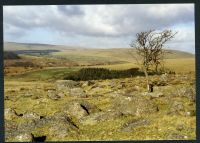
{"points": [[42, 105]]}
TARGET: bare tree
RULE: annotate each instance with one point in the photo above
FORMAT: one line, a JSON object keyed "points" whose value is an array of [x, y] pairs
{"points": [[149, 48]]}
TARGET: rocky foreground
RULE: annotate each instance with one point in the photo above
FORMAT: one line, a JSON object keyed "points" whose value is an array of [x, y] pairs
{"points": [[117, 109]]}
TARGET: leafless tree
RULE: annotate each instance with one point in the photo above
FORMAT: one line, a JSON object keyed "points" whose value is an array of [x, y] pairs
{"points": [[149, 48]]}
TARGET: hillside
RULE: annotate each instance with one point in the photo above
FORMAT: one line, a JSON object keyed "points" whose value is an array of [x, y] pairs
{"points": [[122, 54]]}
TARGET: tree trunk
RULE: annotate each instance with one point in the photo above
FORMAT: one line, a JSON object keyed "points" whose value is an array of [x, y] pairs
{"points": [[148, 84]]}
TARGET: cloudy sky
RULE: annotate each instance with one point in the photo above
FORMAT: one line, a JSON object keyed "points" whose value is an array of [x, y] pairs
{"points": [[98, 26]]}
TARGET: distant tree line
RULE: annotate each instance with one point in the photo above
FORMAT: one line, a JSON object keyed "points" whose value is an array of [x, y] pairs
{"points": [[10, 55], [102, 73]]}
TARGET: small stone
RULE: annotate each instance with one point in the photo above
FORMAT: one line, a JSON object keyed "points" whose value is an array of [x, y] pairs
{"points": [[63, 84], [10, 113], [53, 95], [127, 127], [28, 94], [191, 113], [78, 92], [31, 115], [24, 137], [61, 94], [175, 136], [75, 110]]}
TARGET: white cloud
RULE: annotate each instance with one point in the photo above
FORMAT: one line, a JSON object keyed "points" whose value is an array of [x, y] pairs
{"points": [[112, 22]]}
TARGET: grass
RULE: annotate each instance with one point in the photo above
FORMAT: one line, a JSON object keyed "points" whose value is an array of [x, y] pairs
{"points": [[42, 75]]}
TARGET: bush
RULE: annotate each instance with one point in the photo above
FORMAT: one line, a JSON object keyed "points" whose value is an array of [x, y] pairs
{"points": [[10, 55], [102, 73]]}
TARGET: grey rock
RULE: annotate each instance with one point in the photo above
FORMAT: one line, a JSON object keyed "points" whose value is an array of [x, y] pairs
{"points": [[87, 83], [10, 113], [78, 92], [52, 94], [153, 95], [100, 116], [31, 115], [75, 109], [61, 94], [164, 77], [176, 108], [26, 126], [28, 94], [190, 113], [175, 136], [127, 127], [60, 130], [137, 106], [91, 108], [23, 137], [10, 129], [66, 84]]}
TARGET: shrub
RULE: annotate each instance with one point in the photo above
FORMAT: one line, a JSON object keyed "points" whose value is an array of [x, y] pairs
{"points": [[10, 55]]}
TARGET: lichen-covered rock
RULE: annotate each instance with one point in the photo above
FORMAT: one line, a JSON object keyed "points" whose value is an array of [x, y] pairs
{"points": [[91, 108], [59, 130], [127, 127], [153, 95], [77, 92], [137, 106], [26, 126], [100, 116], [31, 115], [176, 108], [10, 113], [176, 136], [23, 137], [188, 92], [52, 94], [63, 84], [75, 109]]}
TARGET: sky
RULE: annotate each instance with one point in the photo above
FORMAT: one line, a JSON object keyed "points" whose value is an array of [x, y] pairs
{"points": [[98, 26]]}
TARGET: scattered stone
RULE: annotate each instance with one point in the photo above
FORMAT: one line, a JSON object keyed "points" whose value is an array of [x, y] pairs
{"points": [[87, 83], [27, 126], [53, 95], [10, 129], [60, 130], [100, 116], [61, 94], [153, 95], [63, 84], [180, 127], [127, 127], [164, 77], [90, 108], [78, 92], [31, 115], [188, 92], [175, 136], [23, 137], [176, 108], [137, 106], [191, 113], [75, 109], [27, 94], [10, 113]]}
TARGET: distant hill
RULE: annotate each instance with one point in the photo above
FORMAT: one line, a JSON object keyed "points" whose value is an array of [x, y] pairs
{"points": [[12, 46], [122, 54]]}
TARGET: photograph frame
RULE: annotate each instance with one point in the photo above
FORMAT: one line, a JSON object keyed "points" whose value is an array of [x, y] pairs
{"points": [[90, 2]]}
